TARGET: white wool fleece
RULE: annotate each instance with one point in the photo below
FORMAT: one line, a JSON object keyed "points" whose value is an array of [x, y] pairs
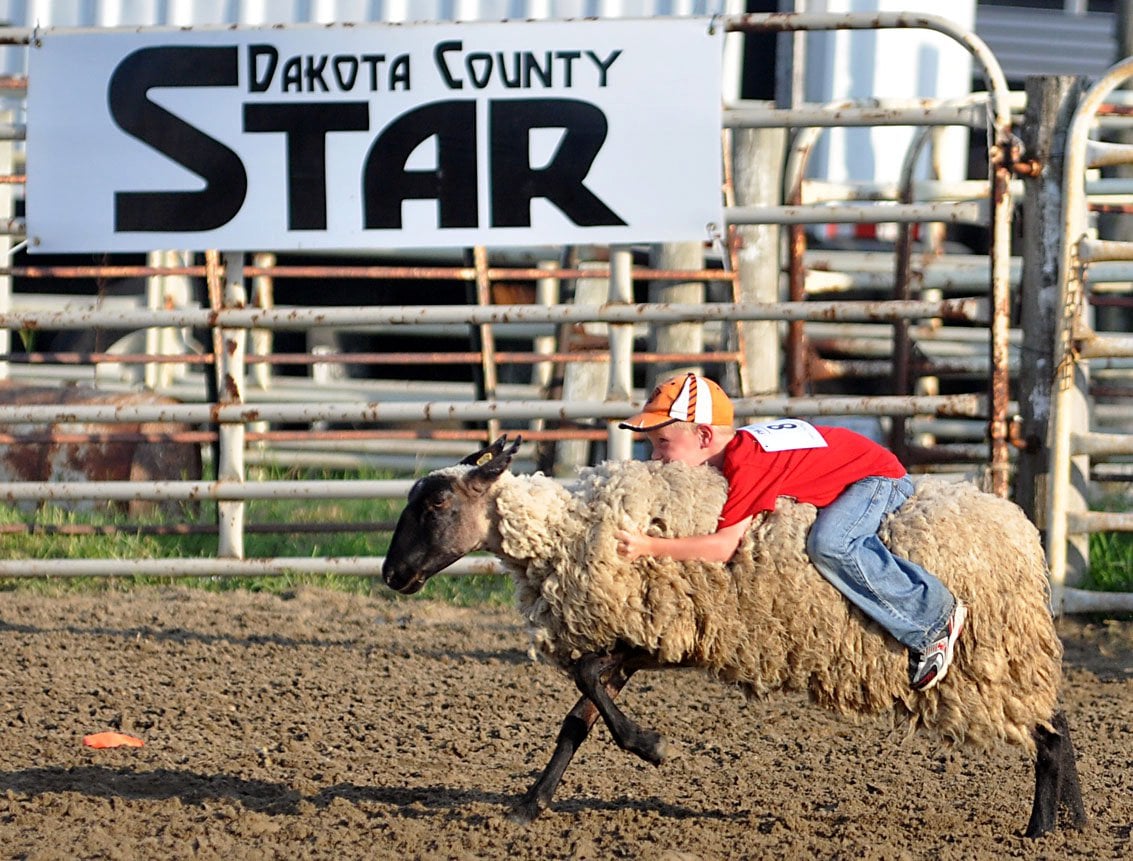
{"points": [[767, 620]]}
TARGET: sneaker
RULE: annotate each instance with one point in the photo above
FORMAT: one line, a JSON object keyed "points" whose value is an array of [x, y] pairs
{"points": [[928, 669]]}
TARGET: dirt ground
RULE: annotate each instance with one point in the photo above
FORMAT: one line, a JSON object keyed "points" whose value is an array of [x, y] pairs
{"points": [[322, 725]]}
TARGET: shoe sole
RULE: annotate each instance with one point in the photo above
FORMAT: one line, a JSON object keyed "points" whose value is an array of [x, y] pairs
{"points": [[960, 618]]}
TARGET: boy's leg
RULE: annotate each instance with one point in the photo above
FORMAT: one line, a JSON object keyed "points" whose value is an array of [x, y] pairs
{"points": [[911, 604]]}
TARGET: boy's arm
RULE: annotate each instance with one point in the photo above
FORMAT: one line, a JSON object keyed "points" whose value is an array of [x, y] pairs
{"points": [[715, 547]]}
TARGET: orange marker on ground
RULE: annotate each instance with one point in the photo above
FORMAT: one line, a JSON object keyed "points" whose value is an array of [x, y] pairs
{"points": [[111, 739]]}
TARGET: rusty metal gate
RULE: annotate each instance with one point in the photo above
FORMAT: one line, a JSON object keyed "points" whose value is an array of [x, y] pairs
{"points": [[581, 309], [1092, 269]]}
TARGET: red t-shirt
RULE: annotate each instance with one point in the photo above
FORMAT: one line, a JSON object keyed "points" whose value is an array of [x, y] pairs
{"points": [[756, 478]]}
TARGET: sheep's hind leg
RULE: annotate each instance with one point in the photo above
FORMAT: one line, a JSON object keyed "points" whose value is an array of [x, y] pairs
{"points": [[1069, 790], [576, 726], [1056, 779], [588, 673]]}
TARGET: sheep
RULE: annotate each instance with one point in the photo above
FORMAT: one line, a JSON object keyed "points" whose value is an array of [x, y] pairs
{"points": [[766, 621]]}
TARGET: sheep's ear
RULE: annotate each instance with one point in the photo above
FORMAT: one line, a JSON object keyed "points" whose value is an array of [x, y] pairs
{"points": [[485, 454], [492, 462]]}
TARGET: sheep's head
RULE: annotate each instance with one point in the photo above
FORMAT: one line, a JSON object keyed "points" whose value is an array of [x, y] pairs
{"points": [[446, 516]]}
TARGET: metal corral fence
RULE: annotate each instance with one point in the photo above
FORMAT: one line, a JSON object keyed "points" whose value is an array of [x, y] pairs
{"points": [[1090, 360], [942, 363]]}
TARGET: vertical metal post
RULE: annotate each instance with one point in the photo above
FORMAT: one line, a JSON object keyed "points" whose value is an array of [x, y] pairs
{"points": [[231, 371], [155, 291], [758, 156], [1050, 105], [1109, 318], [790, 71], [676, 337], [901, 374], [902, 344], [547, 293], [542, 373], [620, 389], [583, 380], [1069, 473], [798, 375], [263, 296], [484, 338], [7, 168], [802, 146], [163, 292], [999, 468]]}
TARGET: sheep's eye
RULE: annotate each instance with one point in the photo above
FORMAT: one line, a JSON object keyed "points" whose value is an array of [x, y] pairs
{"points": [[439, 502]]}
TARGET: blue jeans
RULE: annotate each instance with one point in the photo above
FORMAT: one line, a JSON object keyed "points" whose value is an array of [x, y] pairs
{"points": [[897, 594]]}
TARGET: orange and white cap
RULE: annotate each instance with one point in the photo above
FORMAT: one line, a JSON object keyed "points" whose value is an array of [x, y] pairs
{"points": [[685, 398]]}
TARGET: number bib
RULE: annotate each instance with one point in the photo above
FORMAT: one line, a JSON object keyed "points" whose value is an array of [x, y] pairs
{"points": [[786, 435]]}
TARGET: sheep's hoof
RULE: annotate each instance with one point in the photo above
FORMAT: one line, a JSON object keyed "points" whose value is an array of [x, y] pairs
{"points": [[651, 746], [525, 811]]}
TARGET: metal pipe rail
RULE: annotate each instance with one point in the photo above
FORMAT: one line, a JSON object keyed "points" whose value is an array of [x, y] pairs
{"points": [[1101, 445], [420, 273], [816, 190], [883, 112], [959, 212], [1094, 346], [280, 319], [1100, 521], [359, 566], [471, 411], [850, 270], [502, 357], [776, 22], [124, 491]]}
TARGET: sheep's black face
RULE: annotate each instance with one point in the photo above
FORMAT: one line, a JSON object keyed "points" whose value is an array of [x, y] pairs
{"points": [[443, 520]]}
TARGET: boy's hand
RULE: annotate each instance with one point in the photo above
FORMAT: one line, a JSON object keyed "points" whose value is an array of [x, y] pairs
{"points": [[631, 545], [712, 547]]}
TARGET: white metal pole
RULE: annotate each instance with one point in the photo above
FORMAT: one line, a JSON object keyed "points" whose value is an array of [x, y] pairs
{"points": [[620, 390], [231, 364]]}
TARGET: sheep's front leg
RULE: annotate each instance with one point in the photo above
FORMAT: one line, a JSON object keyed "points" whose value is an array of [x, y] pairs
{"points": [[588, 676], [576, 727]]}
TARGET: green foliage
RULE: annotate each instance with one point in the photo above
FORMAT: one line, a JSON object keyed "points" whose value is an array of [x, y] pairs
{"points": [[1111, 562], [1111, 553], [50, 532], [471, 591]]}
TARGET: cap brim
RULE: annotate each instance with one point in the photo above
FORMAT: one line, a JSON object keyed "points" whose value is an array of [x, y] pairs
{"points": [[646, 422]]}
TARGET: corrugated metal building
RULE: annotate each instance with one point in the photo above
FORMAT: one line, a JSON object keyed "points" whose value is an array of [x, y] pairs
{"points": [[1028, 37], [186, 13], [1053, 38]]}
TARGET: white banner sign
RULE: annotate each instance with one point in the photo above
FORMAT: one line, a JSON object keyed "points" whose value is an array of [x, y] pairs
{"points": [[374, 136]]}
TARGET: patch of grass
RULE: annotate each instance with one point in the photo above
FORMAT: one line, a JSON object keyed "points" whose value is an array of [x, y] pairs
{"points": [[1111, 562], [51, 532], [473, 590], [1111, 553]]}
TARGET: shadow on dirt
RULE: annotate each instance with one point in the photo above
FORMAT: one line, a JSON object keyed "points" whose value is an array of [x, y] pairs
{"points": [[279, 799], [1098, 645], [180, 636]]}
